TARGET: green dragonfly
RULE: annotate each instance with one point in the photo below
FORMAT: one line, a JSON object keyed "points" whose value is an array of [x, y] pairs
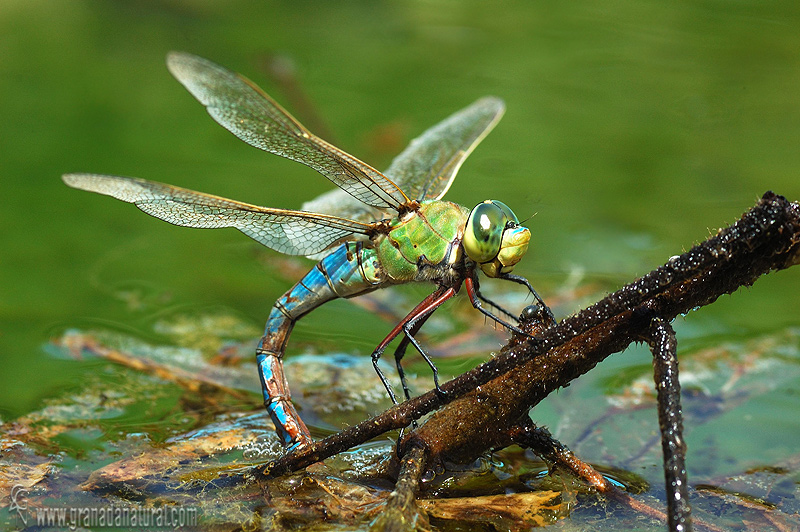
{"points": [[377, 229]]}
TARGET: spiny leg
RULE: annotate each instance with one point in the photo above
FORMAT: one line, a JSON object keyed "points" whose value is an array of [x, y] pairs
{"points": [[490, 302], [523, 281], [413, 325], [427, 358], [422, 310], [670, 419], [475, 299], [400, 352]]}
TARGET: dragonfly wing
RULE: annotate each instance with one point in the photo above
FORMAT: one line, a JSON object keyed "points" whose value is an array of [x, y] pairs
{"points": [[290, 232], [242, 108], [427, 167], [338, 203]]}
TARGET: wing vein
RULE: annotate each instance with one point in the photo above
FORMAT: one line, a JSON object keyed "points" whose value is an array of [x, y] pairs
{"points": [[287, 231], [245, 110]]}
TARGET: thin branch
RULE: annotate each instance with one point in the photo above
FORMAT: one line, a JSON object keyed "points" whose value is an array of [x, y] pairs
{"points": [[670, 419], [400, 513]]}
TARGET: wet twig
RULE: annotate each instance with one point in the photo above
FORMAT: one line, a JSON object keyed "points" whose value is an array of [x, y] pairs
{"points": [[663, 343], [400, 512]]}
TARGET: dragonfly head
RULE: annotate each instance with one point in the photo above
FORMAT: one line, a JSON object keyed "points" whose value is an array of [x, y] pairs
{"points": [[494, 239]]}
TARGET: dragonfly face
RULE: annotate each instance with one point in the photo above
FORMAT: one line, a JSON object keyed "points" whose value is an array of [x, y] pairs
{"points": [[377, 230], [494, 239]]}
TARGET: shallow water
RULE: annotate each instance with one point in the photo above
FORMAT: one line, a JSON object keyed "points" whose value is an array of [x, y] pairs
{"points": [[632, 130]]}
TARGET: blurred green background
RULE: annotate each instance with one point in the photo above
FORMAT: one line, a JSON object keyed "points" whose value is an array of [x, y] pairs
{"points": [[632, 130]]}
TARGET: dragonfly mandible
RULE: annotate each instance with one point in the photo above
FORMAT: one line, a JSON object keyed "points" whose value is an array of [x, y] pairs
{"points": [[378, 229]]}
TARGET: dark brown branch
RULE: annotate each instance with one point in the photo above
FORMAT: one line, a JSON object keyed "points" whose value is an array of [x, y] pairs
{"points": [[542, 443], [670, 420], [400, 513], [539, 440], [766, 238]]}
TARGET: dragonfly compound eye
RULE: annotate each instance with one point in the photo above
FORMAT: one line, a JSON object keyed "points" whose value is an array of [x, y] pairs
{"points": [[484, 232], [507, 211], [494, 239]]}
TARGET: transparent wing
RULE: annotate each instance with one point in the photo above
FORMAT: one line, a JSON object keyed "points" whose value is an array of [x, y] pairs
{"points": [[338, 203], [242, 108], [290, 232], [427, 167]]}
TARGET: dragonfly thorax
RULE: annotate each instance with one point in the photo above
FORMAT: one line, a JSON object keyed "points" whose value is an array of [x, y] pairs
{"points": [[494, 239]]}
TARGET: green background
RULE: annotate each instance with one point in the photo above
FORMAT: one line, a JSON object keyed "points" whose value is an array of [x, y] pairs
{"points": [[633, 129]]}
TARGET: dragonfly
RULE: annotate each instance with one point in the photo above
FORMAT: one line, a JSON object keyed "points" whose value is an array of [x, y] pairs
{"points": [[374, 231]]}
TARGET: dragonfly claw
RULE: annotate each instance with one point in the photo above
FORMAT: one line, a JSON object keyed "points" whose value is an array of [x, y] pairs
{"points": [[441, 393]]}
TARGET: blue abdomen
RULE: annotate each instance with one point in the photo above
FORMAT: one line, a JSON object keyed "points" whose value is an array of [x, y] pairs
{"points": [[351, 269]]}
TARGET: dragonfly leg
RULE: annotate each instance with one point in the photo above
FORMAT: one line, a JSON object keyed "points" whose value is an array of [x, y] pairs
{"points": [[386, 384], [475, 299], [400, 352], [427, 358], [398, 356], [420, 313], [523, 281], [492, 303]]}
